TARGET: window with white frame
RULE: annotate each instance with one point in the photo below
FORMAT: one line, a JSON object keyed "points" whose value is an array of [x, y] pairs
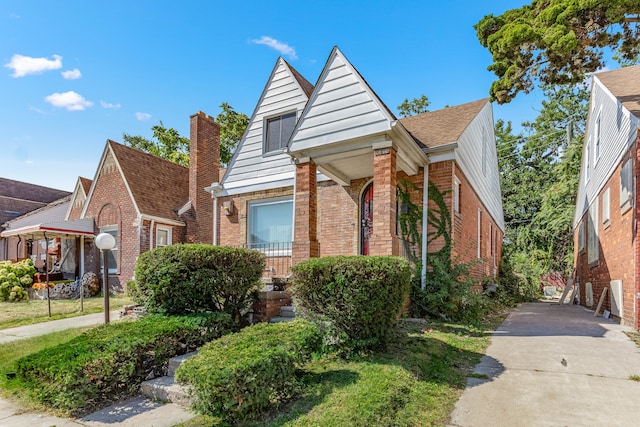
{"points": [[112, 255], [479, 234], [163, 236], [581, 237], [596, 148], [270, 224], [278, 132], [593, 242], [606, 208], [626, 186], [456, 195], [587, 163]]}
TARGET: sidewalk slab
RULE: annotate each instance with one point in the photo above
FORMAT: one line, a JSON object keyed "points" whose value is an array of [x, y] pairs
{"points": [[553, 365], [138, 411], [43, 328]]}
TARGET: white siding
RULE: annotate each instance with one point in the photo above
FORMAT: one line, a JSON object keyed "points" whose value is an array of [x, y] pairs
{"points": [[343, 107], [475, 157], [249, 169], [50, 213], [618, 130]]}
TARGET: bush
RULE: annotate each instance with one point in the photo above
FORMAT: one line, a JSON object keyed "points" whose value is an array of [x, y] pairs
{"points": [[448, 293], [241, 375], [179, 279], [14, 278], [109, 362], [357, 299]]}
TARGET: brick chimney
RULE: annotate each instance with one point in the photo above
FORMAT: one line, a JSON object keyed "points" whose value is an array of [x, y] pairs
{"points": [[204, 166]]}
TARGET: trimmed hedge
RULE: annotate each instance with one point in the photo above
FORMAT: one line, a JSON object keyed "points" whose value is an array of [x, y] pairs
{"points": [[357, 298], [242, 375], [108, 363], [179, 279]]}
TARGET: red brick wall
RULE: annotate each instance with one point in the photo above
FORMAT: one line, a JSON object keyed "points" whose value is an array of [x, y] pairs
{"points": [[465, 226], [204, 167], [110, 204], [616, 251], [338, 214], [384, 240], [305, 244]]}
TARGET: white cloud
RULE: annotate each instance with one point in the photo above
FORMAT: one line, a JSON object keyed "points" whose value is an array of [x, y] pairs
{"points": [[283, 48], [71, 100], [72, 74], [109, 105], [25, 65], [143, 117]]}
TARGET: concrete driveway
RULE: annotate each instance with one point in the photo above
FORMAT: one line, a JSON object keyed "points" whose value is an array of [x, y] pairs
{"points": [[552, 365]]}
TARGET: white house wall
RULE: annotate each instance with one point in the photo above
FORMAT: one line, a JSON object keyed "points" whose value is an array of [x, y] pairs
{"points": [[342, 108], [249, 170], [618, 130], [469, 158], [50, 213]]}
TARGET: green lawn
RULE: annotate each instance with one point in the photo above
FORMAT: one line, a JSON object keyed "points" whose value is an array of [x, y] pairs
{"points": [[12, 351], [35, 311], [416, 382]]}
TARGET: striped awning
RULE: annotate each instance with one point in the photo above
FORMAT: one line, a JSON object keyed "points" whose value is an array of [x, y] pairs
{"points": [[79, 227]]}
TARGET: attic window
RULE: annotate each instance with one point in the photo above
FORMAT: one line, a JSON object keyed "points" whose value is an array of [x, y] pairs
{"points": [[279, 130]]}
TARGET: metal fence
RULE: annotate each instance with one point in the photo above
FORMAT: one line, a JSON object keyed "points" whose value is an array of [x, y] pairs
{"points": [[278, 262]]}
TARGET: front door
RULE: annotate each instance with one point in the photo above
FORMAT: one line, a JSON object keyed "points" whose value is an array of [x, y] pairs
{"points": [[366, 219]]}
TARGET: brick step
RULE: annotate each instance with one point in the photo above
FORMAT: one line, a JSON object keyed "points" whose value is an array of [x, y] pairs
{"points": [[165, 389], [175, 362], [287, 311], [281, 319]]}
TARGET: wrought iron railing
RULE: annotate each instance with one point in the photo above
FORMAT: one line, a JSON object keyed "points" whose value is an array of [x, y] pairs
{"points": [[278, 262]]}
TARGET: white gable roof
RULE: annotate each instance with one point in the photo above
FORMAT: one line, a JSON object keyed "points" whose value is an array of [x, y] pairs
{"points": [[617, 127], [343, 107], [250, 169]]}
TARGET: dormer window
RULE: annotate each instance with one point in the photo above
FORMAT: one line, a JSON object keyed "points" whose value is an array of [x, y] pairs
{"points": [[279, 130]]}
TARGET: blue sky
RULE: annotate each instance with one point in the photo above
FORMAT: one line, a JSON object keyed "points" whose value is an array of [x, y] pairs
{"points": [[76, 73]]}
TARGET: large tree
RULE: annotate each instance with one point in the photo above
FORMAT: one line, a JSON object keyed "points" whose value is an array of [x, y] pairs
{"points": [[170, 145], [539, 179], [166, 144], [557, 42], [413, 107]]}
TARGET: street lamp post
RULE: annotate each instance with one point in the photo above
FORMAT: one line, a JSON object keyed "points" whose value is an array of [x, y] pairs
{"points": [[105, 242]]}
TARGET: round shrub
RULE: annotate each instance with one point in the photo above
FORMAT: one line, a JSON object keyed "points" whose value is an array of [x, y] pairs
{"points": [[14, 278], [358, 299], [180, 279]]}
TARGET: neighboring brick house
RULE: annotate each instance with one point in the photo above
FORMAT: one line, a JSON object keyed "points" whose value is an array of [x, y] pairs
{"points": [[315, 173], [16, 199], [606, 234], [147, 202]]}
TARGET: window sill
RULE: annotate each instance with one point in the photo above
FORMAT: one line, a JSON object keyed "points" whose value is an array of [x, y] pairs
{"points": [[626, 207]]}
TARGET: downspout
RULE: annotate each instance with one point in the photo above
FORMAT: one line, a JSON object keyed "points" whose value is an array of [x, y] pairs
{"points": [[215, 218], [425, 223], [151, 228]]}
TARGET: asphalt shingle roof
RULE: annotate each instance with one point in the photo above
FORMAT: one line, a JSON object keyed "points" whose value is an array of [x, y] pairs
{"points": [[441, 127], [159, 187], [624, 84]]}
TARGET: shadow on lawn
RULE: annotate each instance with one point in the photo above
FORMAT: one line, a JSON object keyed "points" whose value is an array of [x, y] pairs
{"points": [[431, 357]]}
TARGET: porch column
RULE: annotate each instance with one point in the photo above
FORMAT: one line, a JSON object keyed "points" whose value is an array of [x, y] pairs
{"points": [[305, 243], [384, 240]]}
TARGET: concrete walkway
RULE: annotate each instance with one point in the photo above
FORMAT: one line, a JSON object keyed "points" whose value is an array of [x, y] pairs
{"points": [[134, 412], [37, 329], [553, 365]]}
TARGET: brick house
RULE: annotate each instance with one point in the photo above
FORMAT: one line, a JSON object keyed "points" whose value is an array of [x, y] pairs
{"points": [[315, 173], [147, 202], [16, 199], [606, 235]]}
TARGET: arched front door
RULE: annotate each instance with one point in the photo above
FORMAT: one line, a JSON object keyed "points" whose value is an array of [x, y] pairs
{"points": [[366, 219]]}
